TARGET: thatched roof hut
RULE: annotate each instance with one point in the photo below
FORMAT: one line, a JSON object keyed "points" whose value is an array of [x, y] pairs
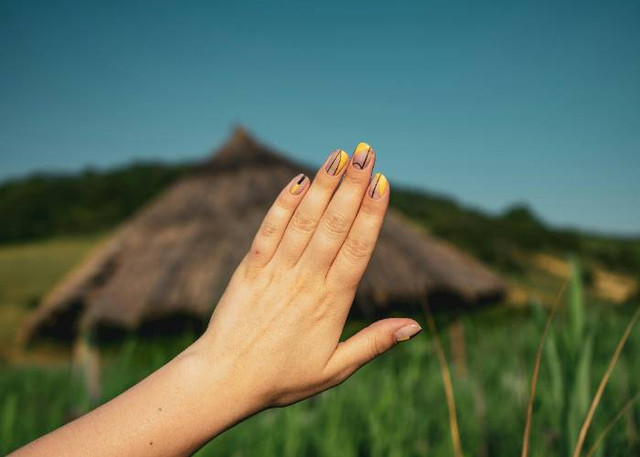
{"points": [[175, 256]]}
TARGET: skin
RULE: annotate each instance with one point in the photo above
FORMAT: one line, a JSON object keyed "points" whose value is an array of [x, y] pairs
{"points": [[274, 338]]}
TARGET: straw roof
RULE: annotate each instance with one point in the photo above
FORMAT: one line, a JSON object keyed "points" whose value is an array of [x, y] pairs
{"points": [[176, 255]]}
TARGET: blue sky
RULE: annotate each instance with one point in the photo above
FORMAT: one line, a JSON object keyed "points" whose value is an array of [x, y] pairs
{"points": [[490, 102]]}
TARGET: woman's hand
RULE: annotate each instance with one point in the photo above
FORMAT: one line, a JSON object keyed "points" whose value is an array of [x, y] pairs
{"points": [[273, 339], [280, 320]]}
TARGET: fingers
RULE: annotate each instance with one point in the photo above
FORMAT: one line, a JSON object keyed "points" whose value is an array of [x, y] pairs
{"points": [[367, 344], [340, 214], [306, 217], [354, 254], [275, 222]]}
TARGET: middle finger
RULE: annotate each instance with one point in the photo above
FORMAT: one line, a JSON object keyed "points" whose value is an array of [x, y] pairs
{"points": [[341, 212]]}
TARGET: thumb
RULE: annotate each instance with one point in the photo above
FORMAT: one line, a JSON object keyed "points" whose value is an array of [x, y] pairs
{"points": [[369, 343]]}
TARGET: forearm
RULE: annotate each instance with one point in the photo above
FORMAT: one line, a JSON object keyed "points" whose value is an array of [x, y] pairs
{"points": [[174, 411]]}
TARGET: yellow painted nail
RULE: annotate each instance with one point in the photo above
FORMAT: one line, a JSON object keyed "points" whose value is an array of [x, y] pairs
{"points": [[336, 162], [378, 186], [362, 155], [298, 184]]}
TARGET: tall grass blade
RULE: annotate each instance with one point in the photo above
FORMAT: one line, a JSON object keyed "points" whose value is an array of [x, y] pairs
{"points": [[554, 365], [446, 379], [603, 383], [9, 416], [576, 306], [609, 426], [536, 371], [580, 393]]}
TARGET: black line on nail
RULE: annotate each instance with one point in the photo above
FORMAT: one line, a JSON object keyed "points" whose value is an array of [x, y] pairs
{"points": [[364, 162], [301, 179], [332, 162], [366, 158], [373, 191]]}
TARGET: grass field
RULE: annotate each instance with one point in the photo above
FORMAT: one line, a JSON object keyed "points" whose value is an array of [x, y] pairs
{"points": [[28, 271], [393, 407]]}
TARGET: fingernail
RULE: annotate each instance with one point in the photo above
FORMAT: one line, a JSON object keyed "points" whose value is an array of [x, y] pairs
{"points": [[336, 162], [406, 332], [362, 155], [378, 186], [297, 184]]}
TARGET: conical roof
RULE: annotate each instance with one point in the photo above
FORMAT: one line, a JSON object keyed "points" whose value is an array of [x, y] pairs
{"points": [[176, 255]]}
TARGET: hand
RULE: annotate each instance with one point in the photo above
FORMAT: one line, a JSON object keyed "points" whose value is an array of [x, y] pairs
{"points": [[279, 322], [273, 339]]}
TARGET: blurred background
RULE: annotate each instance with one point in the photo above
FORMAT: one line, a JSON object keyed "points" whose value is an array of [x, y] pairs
{"points": [[141, 143]]}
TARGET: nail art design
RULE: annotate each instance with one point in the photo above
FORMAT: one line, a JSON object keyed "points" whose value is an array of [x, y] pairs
{"points": [[407, 332], [336, 162], [362, 155], [378, 186], [298, 184]]}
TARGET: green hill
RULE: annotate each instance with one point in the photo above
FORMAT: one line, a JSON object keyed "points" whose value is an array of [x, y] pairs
{"points": [[47, 205], [500, 240]]}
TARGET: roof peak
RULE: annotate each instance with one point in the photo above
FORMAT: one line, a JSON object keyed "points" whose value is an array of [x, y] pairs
{"points": [[238, 143], [241, 137], [242, 149], [239, 140]]}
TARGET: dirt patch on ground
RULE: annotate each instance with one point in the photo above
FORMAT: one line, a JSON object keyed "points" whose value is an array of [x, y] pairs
{"points": [[614, 287], [607, 285]]}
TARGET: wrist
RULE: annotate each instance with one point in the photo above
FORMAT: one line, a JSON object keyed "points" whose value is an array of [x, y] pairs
{"points": [[218, 382]]}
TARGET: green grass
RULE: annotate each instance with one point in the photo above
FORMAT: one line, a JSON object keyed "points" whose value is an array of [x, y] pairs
{"points": [[29, 271], [393, 407]]}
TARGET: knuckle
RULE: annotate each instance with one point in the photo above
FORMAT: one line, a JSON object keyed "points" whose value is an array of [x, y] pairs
{"points": [[376, 345], [335, 223], [303, 223], [283, 204], [269, 229], [357, 248], [300, 284]]}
